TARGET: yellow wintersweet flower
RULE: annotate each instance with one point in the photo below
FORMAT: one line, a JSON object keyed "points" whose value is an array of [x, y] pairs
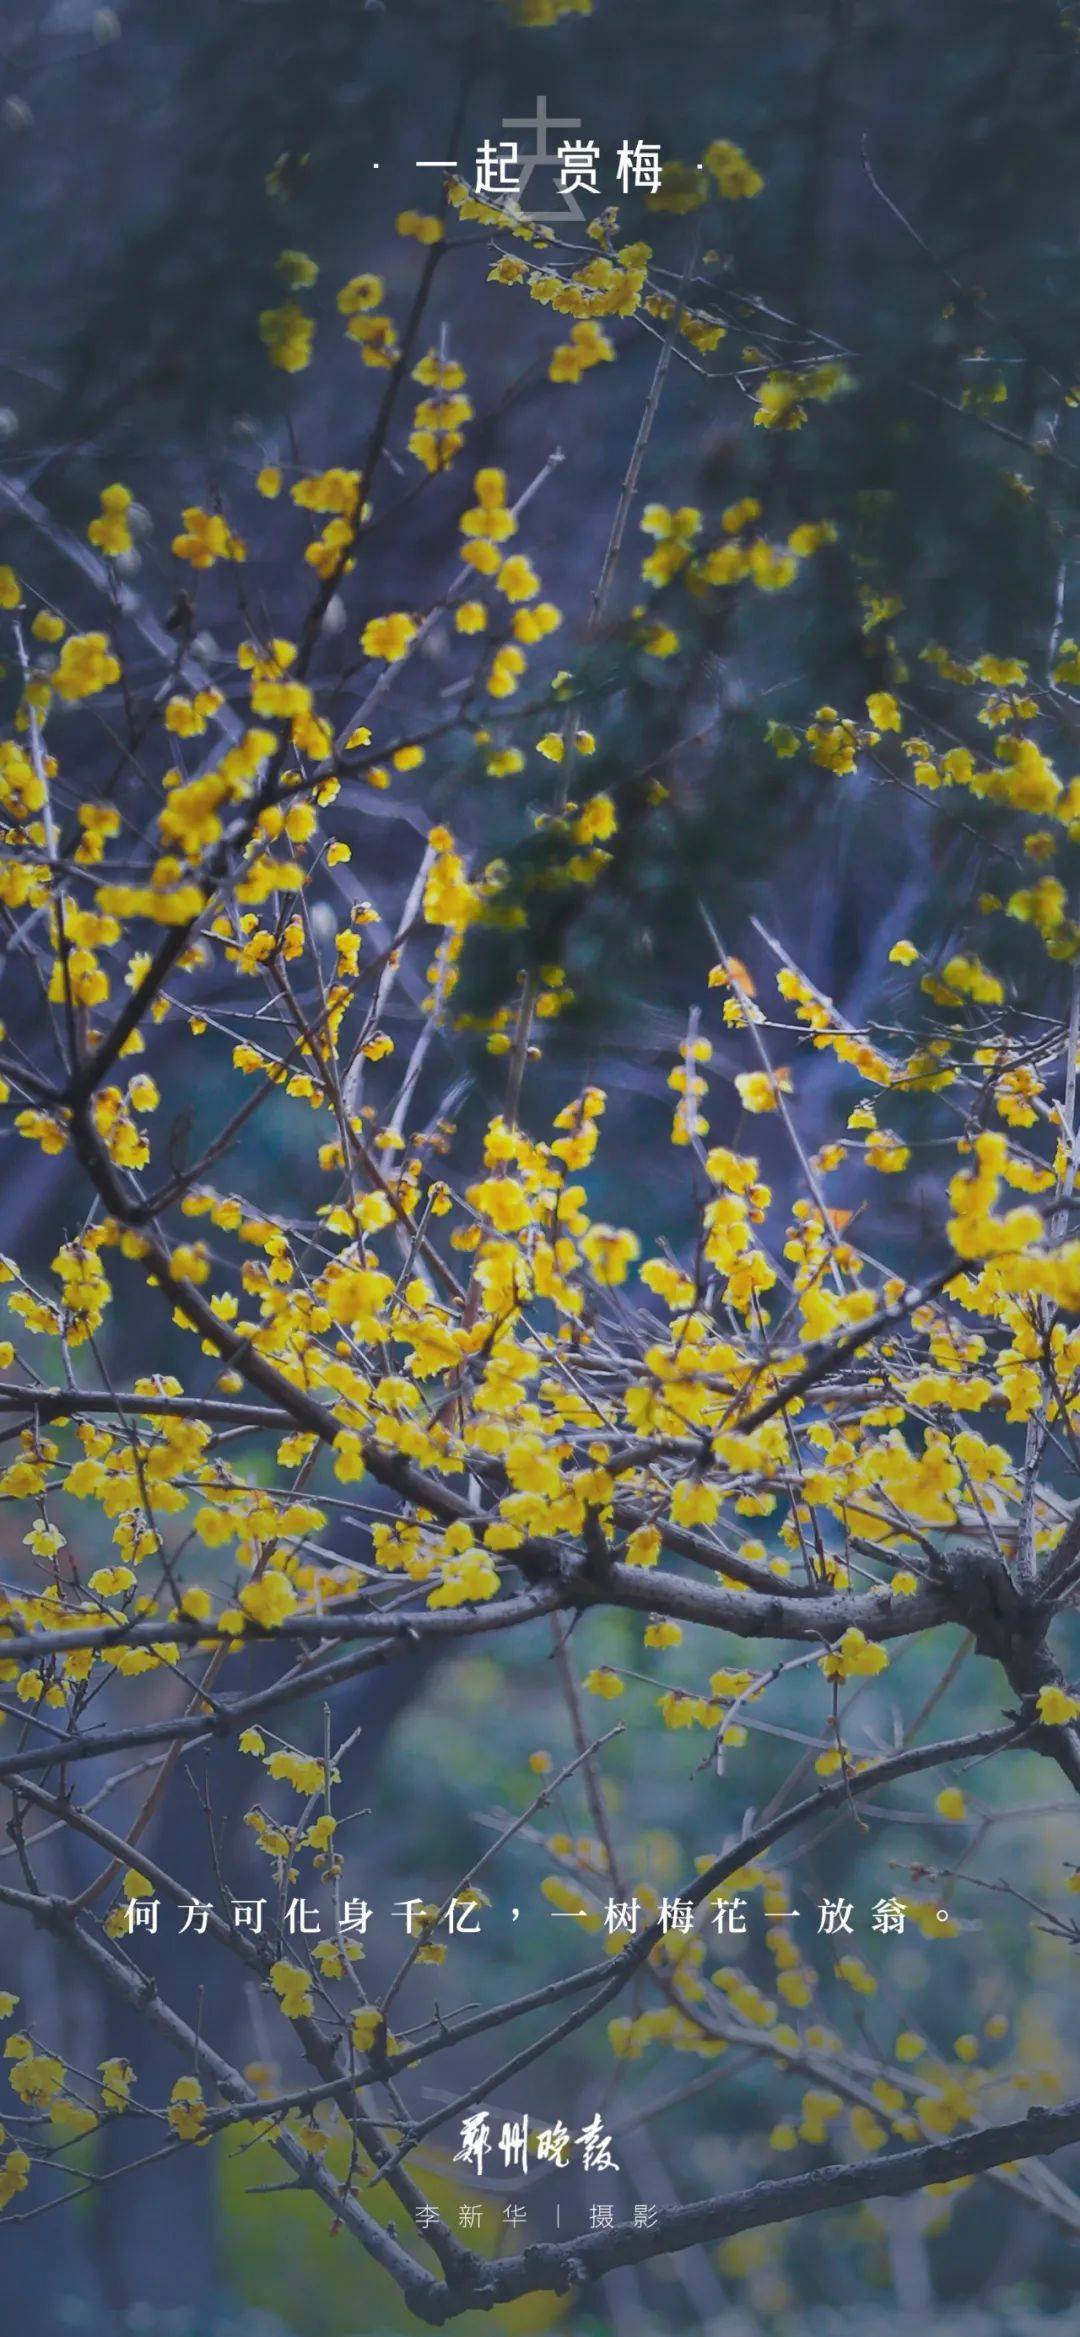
{"points": [[1057, 1708], [292, 1987], [190, 717], [465, 1579], [297, 270], [421, 225], [389, 637], [854, 1657], [507, 667], [535, 623], [360, 294], [693, 1503], [110, 531], [365, 2026], [662, 1633], [735, 176], [885, 1152], [287, 335], [86, 666], [675, 533], [517, 578], [778, 403], [609, 1252], [588, 345], [602, 1681], [336, 490], [377, 339], [205, 538], [854, 1971], [883, 710], [503, 1201], [597, 819], [1028, 781], [679, 1710], [567, 1898], [187, 2110], [950, 1803], [832, 741], [908, 2046], [489, 515], [760, 1091], [37, 2078], [117, 2078], [681, 189], [268, 1600], [483, 555], [300, 1770]]}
